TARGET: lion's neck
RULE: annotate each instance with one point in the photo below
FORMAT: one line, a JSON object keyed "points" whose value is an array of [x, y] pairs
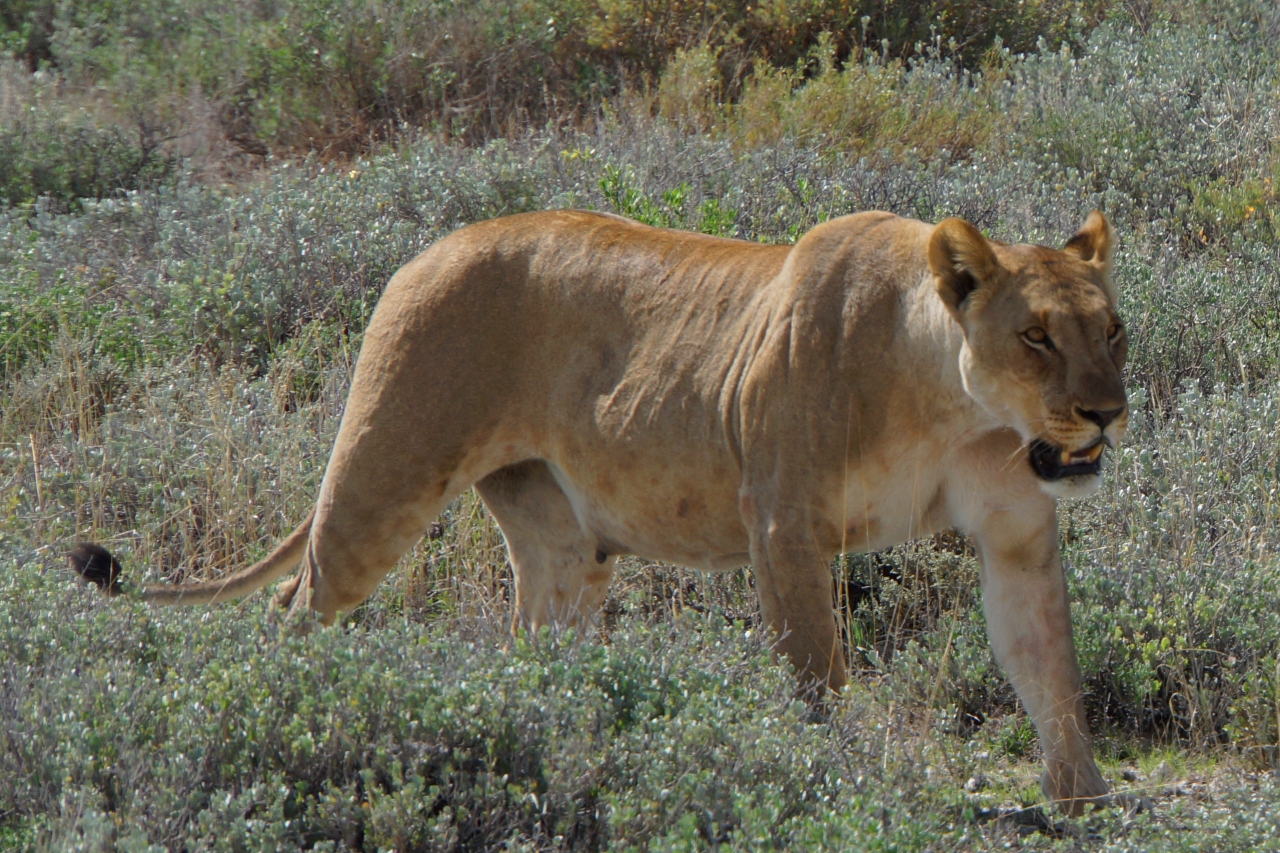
{"points": [[931, 351]]}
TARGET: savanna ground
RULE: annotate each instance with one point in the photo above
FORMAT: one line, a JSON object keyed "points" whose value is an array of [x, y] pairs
{"points": [[201, 203]]}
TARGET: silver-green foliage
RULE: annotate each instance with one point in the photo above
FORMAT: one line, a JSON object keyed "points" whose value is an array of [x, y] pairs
{"points": [[124, 727]]}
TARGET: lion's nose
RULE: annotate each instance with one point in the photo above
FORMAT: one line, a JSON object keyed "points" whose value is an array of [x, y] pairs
{"points": [[1101, 417]]}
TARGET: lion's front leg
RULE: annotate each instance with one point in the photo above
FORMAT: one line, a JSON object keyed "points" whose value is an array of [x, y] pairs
{"points": [[793, 582], [1024, 594]]}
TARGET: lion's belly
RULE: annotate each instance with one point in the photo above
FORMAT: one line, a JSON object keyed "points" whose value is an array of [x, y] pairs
{"points": [[676, 513], [683, 509]]}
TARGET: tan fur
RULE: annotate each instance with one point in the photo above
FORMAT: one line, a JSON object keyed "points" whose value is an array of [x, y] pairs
{"points": [[611, 388]]}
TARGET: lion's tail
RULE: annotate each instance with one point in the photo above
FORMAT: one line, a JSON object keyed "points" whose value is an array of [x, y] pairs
{"points": [[96, 565]]}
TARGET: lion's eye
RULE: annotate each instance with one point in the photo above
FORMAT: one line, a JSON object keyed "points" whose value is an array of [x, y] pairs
{"points": [[1038, 338], [1114, 331]]}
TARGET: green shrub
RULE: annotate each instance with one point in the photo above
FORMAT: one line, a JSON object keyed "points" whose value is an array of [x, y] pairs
{"points": [[26, 27], [53, 147], [671, 210]]}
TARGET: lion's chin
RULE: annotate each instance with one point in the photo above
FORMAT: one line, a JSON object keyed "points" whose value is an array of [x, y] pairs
{"points": [[1067, 475], [1079, 486]]}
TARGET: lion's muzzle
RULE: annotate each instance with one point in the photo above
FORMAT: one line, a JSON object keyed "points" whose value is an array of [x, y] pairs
{"points": [[1051, 462]]}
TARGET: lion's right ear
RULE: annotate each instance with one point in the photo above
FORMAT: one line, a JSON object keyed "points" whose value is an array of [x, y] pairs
{"points": [[962, 262]]}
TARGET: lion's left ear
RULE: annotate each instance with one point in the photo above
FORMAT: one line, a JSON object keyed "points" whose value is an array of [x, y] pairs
{"points": [[1093, 242]]}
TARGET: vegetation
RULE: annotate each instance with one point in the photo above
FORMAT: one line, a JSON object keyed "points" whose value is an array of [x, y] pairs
{"points": [[339, 75], [203, 203]]}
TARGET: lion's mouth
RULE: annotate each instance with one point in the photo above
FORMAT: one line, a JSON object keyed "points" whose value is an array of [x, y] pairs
{"points": [[1051, 462]]}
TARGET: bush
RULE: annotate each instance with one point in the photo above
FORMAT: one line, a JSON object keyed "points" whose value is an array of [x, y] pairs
{"points": [[137, 729], [1179, 614], [883, 110], [51, 147], [337, 76]]}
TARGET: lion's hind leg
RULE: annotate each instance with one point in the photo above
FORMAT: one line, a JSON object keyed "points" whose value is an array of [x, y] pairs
{"points": [[362, 527], [561, 576]]}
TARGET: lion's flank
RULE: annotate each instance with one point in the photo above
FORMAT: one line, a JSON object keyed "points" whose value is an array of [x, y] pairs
{"points": [[96, 565]]}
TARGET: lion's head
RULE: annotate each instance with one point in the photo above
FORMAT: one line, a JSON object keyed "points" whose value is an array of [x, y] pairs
{"points": [[1044, 348]]}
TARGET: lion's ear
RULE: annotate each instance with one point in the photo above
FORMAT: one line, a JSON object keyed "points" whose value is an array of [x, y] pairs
{"points": [[962, 262], [1093, 242]]}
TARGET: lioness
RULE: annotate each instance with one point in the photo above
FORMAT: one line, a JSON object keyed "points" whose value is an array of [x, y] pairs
{"points": [[610, 388]]}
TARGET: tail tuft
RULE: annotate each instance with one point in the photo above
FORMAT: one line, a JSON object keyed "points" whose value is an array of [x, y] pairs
{"points": [[96, 565]]}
